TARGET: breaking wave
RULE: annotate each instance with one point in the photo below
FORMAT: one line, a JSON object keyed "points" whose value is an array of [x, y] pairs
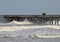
{"points": [[32, 33], [28, 31]]}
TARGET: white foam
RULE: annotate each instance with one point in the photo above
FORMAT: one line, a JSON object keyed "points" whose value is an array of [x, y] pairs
{"points": [[24, 22], [13, 28], [44, 36]]}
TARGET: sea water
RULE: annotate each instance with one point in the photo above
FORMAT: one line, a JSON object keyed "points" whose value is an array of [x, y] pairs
{"points": [[25, 35]]}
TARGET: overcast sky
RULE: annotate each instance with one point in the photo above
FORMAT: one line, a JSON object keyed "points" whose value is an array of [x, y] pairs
{"points": [[29, 6]]}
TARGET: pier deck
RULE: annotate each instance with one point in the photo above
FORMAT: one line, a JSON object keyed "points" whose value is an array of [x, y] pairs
{"points": [[36, 19]]}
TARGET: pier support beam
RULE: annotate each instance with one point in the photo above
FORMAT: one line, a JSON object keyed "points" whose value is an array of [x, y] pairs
{"points": [[52, 21], [41, 21], [57, 21], [44, 21]]}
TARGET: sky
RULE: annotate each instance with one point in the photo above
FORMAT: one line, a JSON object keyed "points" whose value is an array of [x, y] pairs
{"points": [[29, 7]]}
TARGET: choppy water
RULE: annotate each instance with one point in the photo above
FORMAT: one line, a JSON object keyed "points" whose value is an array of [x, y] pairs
{"points": [[23, 35], [18, 39]]}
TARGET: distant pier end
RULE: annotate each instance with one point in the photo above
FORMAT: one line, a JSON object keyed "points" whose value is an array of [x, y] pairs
{"points": [[36, 19]]}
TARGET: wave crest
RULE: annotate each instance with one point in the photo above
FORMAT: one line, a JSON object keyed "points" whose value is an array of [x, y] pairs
{"points": [[44, 36]]}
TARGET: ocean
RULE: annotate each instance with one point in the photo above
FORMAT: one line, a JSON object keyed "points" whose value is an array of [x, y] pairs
{"points": [[25, 35], [29, 33], [29, 40]]}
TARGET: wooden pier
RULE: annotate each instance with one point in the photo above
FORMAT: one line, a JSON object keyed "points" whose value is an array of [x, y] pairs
{"points": [[36, 19]]}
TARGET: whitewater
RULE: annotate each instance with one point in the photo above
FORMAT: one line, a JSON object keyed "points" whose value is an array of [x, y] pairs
{"points": [[14, 25], [28, 32]]}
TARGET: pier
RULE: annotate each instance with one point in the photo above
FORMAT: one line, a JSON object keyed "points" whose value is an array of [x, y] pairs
{"points": [[36, 19]]}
